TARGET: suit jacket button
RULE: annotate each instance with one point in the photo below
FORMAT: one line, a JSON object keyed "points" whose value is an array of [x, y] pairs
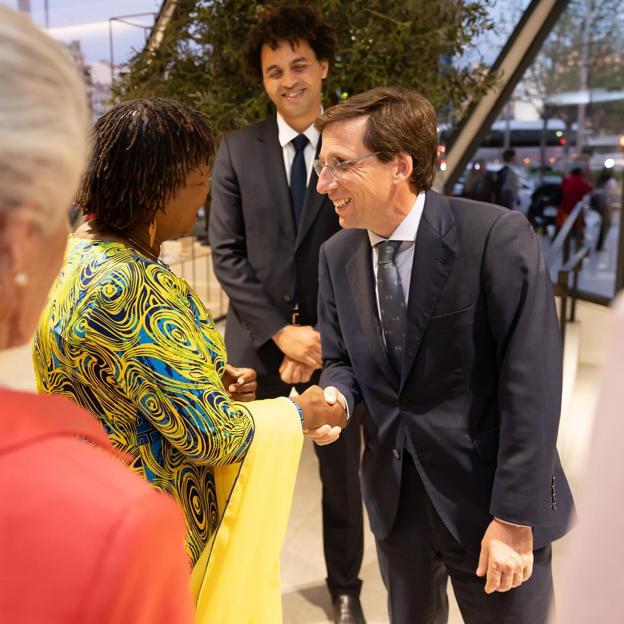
{"points": [[396, 453], [287, 298], [404, 404]]}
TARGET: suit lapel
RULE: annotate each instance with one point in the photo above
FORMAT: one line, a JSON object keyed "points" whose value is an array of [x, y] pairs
{"points": [[433, 259], [311, 205], [360, 274], [275, 175]]}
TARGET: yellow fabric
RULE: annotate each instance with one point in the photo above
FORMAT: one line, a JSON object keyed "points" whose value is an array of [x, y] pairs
{"points": [[236, 579]]}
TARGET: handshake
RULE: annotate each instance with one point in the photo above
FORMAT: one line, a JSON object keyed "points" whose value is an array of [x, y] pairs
{"points": [[324, 414], [324, 411]]}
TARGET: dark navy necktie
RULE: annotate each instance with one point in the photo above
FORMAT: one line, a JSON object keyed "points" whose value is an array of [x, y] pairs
{"points": [[391, 302], [298, 177]]}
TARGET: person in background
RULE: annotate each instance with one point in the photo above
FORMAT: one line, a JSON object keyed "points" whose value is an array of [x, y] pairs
{"points": [[604, 199], [267, 222], [479, 184], [82, 539], [126, 338], [507, 181], [574, 187]]}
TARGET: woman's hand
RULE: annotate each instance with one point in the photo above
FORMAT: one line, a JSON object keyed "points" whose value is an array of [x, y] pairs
{"points": [[319, 410], [240, 383]]}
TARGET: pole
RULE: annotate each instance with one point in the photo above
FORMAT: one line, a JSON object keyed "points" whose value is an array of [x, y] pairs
{"points": [[545, 112], [619, 258], [582, 108], [110, 44], [507, 137]]}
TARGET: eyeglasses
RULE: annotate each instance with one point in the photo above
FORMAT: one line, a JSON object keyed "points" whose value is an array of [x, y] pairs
{"points": [[337, 167]]}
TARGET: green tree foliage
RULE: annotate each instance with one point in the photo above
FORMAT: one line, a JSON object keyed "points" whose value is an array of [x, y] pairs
{"points": [[414, 43]]}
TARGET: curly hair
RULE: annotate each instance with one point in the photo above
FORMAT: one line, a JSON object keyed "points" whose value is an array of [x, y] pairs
{"points": [[292, 24], [399, 120], [142, 152]]}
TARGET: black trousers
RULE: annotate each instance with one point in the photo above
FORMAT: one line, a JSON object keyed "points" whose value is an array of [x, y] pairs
{"points": [[419, 556], [343, 523]]}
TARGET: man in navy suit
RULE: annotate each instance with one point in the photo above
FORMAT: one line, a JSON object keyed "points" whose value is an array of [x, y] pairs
{"points": [[267, 223], [438, 313]]}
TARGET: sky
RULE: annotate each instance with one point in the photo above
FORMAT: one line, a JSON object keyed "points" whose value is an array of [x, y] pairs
{"points": [[88, 21]]}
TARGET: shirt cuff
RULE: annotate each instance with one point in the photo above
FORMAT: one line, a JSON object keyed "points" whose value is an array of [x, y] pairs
{"points": [[513, 524], [344, 403]]}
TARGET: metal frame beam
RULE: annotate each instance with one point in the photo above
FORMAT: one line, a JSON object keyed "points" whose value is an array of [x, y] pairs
{"points": [[167, 11], [518, 53]]}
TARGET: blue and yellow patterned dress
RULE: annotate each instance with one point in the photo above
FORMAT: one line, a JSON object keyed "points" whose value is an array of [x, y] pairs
{"points": [[127, 339], [124, 337]]}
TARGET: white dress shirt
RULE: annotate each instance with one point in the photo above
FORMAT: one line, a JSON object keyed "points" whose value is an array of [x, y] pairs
{"points": [[286, 134], [404, 257]]}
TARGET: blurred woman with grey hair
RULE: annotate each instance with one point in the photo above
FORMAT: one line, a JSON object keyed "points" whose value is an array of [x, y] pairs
{"points": [[82, 538]]}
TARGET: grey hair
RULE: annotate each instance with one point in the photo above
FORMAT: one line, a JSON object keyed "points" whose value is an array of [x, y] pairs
{"points": [[43, 122]]}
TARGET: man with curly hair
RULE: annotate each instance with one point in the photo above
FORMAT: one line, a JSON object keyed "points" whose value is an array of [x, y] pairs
{"points": [[267, 223]]}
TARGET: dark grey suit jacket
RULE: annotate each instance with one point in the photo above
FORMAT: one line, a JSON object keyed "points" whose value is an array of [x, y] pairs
{"points": [[477, 404], [263, 263]]}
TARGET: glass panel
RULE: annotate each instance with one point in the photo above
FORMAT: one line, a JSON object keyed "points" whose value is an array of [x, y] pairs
{"points": [[565, 121]]}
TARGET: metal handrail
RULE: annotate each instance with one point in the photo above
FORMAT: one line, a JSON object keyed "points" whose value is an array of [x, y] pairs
{"points": [[570, 265], [563, 234]]}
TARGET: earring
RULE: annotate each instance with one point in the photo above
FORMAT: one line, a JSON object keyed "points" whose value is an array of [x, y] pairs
{"points": [[20, 279], [152, 233]]}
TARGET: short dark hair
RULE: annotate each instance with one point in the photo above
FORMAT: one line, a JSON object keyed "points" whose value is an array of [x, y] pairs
{"points": [[509, 154], [292, 24], [142, 152], [399, 120]]}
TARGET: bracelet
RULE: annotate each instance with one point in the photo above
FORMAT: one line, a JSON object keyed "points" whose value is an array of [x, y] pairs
{"points": [[299, 411]]}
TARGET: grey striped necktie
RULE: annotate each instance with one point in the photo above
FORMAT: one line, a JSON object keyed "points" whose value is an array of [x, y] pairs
{"points": [[391, 302]]}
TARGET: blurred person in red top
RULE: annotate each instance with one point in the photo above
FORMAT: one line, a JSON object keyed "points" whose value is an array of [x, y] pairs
{"points": [[573, 188], [82, 539]]}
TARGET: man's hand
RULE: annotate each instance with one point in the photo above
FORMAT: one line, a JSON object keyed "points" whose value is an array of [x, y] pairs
{"points": [[325, 434], [506, 556], [318, 412], [240, 383], [332, 395], [293, 372], [300, 343]]}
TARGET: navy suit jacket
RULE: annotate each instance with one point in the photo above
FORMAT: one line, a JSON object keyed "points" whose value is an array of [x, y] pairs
{"points": [[477, 404], [262, 261]]}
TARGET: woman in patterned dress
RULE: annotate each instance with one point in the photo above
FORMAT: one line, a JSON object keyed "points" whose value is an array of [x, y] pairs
{"points": [[126, 338]]}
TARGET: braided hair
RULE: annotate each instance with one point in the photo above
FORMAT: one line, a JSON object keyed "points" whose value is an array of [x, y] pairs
{"points": [[142, 152]]}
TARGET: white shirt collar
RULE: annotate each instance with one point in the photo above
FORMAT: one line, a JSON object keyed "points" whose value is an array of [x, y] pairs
{"points": [[286, 134], [407, 229]]}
